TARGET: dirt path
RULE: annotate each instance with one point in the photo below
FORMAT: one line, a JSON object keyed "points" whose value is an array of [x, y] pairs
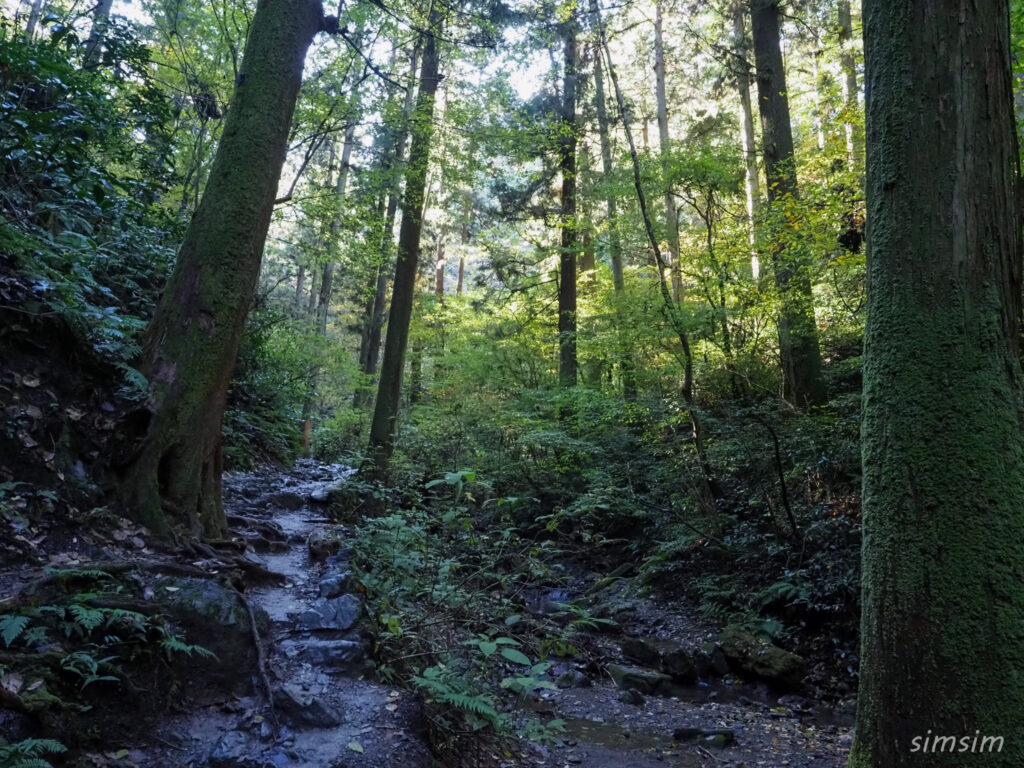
{"points": [[333, 716]]}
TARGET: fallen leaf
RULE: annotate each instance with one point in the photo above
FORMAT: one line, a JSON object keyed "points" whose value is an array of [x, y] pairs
{"points": [[355, 746]]}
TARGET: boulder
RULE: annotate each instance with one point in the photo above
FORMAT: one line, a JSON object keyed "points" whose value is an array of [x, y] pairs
{"points": [[323, 542], [680, 664], [303, 707], [764, 661], [642, 651], [639, 679], [334, 585], [339, 613], [211, 616]]}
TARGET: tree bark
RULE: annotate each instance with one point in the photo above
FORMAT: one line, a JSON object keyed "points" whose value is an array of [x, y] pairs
{"points": [[849, 67], [614, 241], [671, 217], [462, 255], [798, 334], [389, 390], [189, 347], [392, 172], [94, 43], [567, 366], [752, 181], [943, 431]]}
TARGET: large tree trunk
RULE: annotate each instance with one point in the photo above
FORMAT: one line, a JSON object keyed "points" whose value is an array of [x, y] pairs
{"points": [[671, 217], [751, 178], [190, 346], [943, 433], [389, 390], [567, 367], [798, 334]]}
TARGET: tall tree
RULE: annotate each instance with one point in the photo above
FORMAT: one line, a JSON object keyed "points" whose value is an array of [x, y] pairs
{"points": [[849, 66], [389, 390], [798, 334], [190, 345], [752, 181], [665, 144], [567, 140], [395, 139], [943, 430]]}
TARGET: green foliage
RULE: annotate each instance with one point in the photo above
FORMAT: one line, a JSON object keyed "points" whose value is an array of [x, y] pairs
{"points": [[29, 753]]}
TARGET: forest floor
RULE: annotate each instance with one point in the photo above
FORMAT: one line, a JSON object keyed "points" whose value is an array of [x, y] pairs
{"points": [[331, 709]]}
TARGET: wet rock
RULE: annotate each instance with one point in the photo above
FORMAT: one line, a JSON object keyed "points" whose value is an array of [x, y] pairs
{"points": [[719, 663], [715, 738], [341, 559], [632, 696], [642, 651], [334, 585], [327, 654], [339, 613], [283, 500], [681, 665], [762, 660], [568, 676], [323, 542], [303, 707], [643, 680], [702, 663], [232, 751]]}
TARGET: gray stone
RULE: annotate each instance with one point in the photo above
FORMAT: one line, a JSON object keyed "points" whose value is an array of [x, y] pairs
{"points": [[334, 584], [303, 707], [339, 613], [632, 696], [284, 500], [232, 751], [329, 654], [641, 651], [323, 542], [643, 680]]}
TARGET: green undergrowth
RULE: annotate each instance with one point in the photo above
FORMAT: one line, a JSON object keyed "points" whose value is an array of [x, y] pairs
{"points": [[590, 482]]}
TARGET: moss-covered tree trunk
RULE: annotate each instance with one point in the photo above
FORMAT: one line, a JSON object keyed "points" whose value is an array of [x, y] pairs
{"points": [[798, 334], [190, 346], [389, 389], [943, 433]]}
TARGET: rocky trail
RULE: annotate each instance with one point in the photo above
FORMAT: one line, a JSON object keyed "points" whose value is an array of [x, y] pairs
{"points": [[663, 692]]}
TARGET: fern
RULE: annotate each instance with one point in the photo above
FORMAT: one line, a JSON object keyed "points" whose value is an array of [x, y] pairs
{"points": [[175, 644], [11, 627], [29, 753], [88, 618]]}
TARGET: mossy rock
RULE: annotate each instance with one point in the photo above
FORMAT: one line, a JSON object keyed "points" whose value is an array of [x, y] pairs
{"points": [[764, 661]]}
